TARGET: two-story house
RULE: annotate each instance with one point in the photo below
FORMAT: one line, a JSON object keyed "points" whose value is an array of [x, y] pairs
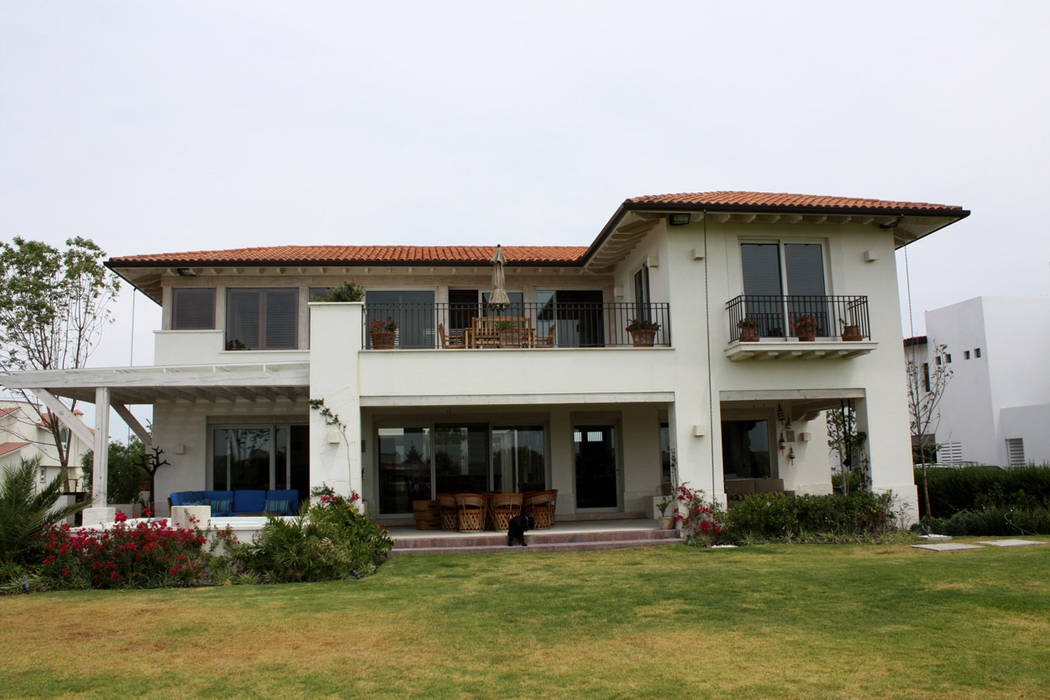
{"points": [[769, 308], [25, 434]]}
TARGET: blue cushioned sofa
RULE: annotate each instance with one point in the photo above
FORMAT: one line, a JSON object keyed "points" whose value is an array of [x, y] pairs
{"points": [[240, 502]]}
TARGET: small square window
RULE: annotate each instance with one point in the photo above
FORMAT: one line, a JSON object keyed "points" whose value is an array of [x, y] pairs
{"points": [[948, 357], [938, 360], [966, 354], [977, 352]]}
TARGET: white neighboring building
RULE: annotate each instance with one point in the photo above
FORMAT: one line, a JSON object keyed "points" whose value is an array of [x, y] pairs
{"points": [[996, 408], [24, 434], [730, 390]]}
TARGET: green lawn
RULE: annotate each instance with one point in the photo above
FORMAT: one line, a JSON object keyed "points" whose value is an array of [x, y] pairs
{"points": [[800, 620]]}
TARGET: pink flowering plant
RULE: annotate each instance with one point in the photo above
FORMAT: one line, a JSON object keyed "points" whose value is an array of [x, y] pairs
{"points": [[702, 520], [145, 553]]}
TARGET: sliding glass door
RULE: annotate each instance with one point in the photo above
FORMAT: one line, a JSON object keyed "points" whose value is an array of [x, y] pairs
{"points": [[782, 282]]}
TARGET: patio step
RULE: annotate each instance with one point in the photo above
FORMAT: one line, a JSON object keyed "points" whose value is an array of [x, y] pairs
{"points": [[538, 541]]}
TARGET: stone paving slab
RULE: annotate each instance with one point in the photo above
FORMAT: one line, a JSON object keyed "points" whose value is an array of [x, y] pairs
{"points": [[947, 546], [935, 538], [1011, 543]]}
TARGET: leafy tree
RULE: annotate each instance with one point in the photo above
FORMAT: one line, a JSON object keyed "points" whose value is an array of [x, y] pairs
{"points": [[53, 308], [126, 473], [25, 512], [924, 406]]}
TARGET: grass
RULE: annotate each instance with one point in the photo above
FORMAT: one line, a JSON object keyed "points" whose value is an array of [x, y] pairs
{"points": [[791, 620]]}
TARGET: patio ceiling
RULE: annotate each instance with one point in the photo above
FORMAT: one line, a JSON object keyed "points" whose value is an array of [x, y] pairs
{"points": [[148, 385]]}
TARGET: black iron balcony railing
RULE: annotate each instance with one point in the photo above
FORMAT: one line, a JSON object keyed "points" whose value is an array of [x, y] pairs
{"points": [[527, 325], [791, 316]]}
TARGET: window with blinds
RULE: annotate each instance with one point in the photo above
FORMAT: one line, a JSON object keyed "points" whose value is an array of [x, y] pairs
{"points": [[262, 319], [192, 309], [1015, 452]]}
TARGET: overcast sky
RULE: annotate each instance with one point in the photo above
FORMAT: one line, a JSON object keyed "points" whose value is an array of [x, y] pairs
{"points": [[170, 126]]}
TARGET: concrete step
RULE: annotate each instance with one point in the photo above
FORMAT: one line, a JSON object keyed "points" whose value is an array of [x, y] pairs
{"points": [[592, 545], [533, 537]]}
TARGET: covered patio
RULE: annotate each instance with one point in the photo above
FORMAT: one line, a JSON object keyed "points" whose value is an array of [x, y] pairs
{"points": [[229, 384]]}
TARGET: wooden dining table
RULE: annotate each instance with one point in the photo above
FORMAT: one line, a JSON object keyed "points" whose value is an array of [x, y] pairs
{"points": [[500, 332]]}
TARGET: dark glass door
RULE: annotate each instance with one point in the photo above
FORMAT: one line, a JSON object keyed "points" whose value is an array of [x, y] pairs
{"points": [[404, 468], [595, 450], [461, 458], [412, 311]]}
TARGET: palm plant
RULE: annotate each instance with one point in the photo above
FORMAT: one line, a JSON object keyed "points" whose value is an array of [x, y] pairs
{"points": [[26, 512]]}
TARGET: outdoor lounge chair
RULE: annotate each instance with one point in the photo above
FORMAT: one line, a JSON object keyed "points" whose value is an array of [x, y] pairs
{"points": [[449, 515]]}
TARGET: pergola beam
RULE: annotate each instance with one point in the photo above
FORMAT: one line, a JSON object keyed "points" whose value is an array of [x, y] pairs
{"points": [[134, 424], [65, 415]]}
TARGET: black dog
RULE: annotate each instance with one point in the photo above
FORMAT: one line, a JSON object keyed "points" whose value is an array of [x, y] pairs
{"points": [[517, 527]]}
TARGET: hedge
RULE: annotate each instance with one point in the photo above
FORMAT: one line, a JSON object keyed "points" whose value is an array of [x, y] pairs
{"points": [[956, 489]]}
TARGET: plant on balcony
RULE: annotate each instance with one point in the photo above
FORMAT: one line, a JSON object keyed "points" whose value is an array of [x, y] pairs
{"points": [[643, 332], [850, 331], [348, 291], [383, 333], [748, 329], [805, 326]]}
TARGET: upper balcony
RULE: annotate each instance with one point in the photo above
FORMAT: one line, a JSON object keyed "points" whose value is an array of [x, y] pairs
{"points": [[517, 326], [798, 326]]}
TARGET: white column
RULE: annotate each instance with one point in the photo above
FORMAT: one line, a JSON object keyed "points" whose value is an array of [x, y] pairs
{"points": [[335, 343], [99, 512]]}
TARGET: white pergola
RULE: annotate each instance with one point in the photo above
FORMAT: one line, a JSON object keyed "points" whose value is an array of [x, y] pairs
{"points": [[125, 386]]}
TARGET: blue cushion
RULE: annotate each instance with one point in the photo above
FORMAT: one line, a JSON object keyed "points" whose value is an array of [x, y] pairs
{"points": [[186, 498], [290, 495], [221, 502], [249, 501], [276, 507]]}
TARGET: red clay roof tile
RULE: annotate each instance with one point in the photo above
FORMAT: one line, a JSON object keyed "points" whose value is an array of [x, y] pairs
{"points": [[6, 447], [521, 255]]}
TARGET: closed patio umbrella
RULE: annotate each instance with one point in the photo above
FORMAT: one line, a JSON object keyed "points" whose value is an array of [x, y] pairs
{"points": [[498, 299]]}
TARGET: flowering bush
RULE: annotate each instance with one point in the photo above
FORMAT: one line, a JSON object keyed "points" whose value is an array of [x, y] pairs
{"points": [[331, 540], [389, 325], [148, 554], [702, 520], [805, 324]]}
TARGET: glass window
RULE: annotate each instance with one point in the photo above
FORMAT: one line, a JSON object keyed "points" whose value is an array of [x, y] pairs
{"points": [[412, 311], [665, 458], [262, 319], [745, 449], [461, 458], [518, 462], [773, 271], [404, 468], [192, 309], [259, 458], [516, 307], [577, 315], [462, 307]]}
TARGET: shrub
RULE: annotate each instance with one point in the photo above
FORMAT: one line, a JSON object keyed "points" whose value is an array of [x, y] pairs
{"points": [[348, 291], [779, 517], [126, 475], [148, 554], [329, 540], [25, 513], [972, 488], [995, 520]]}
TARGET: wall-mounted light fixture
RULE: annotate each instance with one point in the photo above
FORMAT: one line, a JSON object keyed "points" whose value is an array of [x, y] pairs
{"points": [[678, 219], [185, 272]]}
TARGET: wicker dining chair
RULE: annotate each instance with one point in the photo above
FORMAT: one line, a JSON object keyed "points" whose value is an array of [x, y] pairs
{"points": [[471, 510], [449, 514], [503, 507], [540, 505]]}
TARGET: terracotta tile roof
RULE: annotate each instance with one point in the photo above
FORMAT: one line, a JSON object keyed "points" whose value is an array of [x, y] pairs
{"points": [[358, 255], [786, 202], [44, 418], [528, 255], [7, 411], [6, 447]]}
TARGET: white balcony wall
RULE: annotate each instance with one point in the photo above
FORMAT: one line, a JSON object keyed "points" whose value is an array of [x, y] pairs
{"points": [[173, 348]]}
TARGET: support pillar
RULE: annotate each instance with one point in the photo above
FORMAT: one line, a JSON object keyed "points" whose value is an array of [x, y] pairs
{"points": [[99, 511]]}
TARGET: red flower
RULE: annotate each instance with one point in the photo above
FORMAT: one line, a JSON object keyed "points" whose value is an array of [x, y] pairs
{"points": [[355, 497], [119, 517]]}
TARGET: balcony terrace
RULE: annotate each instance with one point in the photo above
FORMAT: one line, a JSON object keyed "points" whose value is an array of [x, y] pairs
{"points": [[803, 327]]}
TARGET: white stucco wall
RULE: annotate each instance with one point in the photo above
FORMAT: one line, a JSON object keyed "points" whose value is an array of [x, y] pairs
{"points": [[1008, 330]]}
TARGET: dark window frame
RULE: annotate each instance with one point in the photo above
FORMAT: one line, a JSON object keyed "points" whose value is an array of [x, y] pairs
{"points": [[263, 318], [180, 305]]}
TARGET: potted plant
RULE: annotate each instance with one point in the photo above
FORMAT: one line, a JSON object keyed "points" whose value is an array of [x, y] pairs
{"points": [[666, 521], [748, 330], [643, 332], [805, 327], [509, 334], [850, 331], [383, 333]]}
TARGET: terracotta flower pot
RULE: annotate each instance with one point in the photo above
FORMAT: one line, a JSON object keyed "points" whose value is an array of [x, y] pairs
{"points": [[749, 334], [643, 337], [383, 340], [852, 333], [806, 338]]}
